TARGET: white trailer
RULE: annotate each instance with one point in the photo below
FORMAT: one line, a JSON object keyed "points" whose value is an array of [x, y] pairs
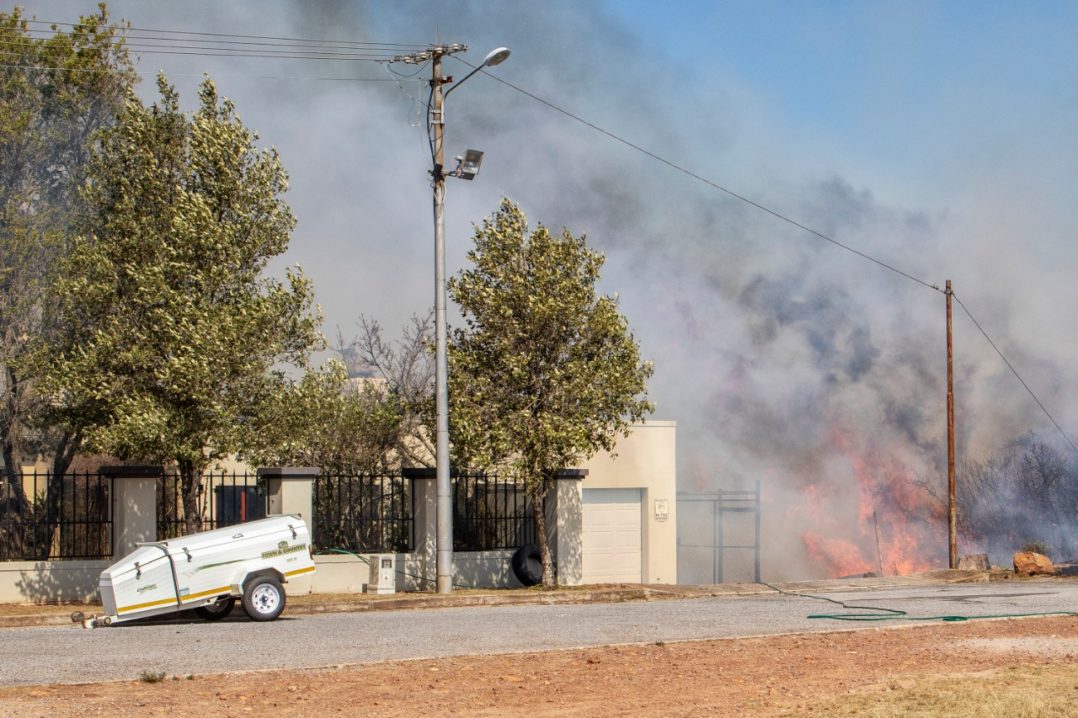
{"points": [[208, 571]]}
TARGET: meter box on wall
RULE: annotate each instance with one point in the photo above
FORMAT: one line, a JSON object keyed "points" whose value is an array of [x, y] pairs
{"points": [[383, 573]]}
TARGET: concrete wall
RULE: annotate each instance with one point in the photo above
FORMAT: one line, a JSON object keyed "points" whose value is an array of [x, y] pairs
{"points": [[646, 460], [50, 581], [471, 569]]}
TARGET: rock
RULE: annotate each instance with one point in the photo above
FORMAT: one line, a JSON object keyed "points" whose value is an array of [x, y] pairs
{"points": [[973, 562], [1028, 563]]}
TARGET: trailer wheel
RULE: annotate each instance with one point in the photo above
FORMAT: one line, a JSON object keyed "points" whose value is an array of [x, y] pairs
{"points": [[217, 610], [527, 564], [263, 598]]}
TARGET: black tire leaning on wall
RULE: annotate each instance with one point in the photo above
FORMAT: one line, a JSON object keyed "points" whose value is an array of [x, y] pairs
{"points": [[527, 565]]}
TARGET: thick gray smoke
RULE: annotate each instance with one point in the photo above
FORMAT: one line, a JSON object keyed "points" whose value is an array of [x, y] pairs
{"points": [[783, 358]]}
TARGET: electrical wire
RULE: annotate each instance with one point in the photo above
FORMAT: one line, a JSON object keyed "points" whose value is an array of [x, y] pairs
{"points": [[291, 53], [192, 33], [430, 135], [254, 46], [714, 185], [140, 50], [786, 219], [148, 73], [283, 51], [218, 44], [1014, 371]]}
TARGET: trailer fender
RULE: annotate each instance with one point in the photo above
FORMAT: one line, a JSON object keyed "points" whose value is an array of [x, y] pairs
{"points": [[271, 572]]}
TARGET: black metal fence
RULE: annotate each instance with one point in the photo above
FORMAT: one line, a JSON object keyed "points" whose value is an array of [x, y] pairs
{"points": [[490, 513], [368, 513], [222, 499], [43, 517]]}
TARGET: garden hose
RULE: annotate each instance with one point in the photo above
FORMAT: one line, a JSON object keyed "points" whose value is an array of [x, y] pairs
{"points": [[881, 613]]}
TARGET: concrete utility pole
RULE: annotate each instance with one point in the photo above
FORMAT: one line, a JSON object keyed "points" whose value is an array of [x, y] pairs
{"points": [[444, 483], [467, 168], [952, 509]]}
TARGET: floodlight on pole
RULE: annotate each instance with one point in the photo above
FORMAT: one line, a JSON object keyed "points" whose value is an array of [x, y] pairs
{"points": [[468, 164], [467, 168]]}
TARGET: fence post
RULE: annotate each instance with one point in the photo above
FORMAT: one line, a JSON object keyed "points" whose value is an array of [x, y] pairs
{"points": [[290, 490], [425, 523], [565, 519], [134, 506]]}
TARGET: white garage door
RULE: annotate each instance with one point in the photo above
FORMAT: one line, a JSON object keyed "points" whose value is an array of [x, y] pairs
{"points": [[611, 536]]}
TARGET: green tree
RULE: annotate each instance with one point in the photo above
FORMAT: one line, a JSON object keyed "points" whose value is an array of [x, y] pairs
{"points": [[183, 339], [328, 421], [349, 428], [544, 372], [55, 94], [365, 412]]}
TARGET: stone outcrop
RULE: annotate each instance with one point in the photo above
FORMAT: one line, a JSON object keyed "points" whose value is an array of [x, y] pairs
{"points": [[1028, 563]]}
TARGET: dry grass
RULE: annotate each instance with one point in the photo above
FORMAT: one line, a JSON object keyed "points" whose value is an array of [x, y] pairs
{"points": [[1022, 692]]}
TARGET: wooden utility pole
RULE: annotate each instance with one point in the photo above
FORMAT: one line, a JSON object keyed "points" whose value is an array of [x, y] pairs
{"points": [[952, 509]]}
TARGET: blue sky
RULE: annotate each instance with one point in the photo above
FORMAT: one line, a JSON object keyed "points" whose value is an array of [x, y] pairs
{"points": [[889, 88]]}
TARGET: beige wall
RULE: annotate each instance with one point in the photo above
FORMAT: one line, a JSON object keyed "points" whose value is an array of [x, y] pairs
{"points": [[646, 460], [50, 581]]}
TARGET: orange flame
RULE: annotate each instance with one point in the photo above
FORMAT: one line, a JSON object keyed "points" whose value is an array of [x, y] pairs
{"points": [[894, 525]]}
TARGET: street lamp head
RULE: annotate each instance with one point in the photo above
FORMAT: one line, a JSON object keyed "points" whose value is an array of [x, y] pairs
{"points": [[496, 56]]}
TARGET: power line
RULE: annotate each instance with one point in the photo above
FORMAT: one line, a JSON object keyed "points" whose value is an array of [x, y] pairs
{"points": [[153, 73], [793, 222], [1015, 372], [149, 73], [264, 55], [369, 52], [342, 43], [155, 49], [168, 42], [715, 185], [322, 46]]}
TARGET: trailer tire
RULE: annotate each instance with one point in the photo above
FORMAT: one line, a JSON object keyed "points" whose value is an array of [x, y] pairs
{"points": [[263, 598], [217, 610], [527, 565]]}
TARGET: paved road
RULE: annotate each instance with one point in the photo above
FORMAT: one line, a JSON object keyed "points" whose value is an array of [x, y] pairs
{"points": [[74, 655]]}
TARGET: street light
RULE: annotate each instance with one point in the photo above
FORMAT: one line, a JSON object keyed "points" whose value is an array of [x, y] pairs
{"points": [[495, 57], [468, 164], [467, 168]]}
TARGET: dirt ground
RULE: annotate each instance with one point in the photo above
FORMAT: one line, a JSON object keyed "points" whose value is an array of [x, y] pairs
{"points": [[777, 676]]}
